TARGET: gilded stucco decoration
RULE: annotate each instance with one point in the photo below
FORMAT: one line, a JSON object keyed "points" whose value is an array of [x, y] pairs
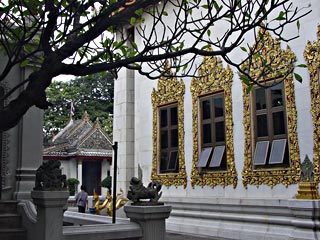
{"points": [[215, 79], [4, 155], [282, 60], [170, 91], [312, 57]]}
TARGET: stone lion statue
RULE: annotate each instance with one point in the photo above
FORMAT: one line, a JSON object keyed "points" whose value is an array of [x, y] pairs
{"points": [[138, 192], [49, 177]]}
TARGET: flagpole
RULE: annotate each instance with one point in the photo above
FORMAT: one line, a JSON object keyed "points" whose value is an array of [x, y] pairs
{"points": [[114, 189]]}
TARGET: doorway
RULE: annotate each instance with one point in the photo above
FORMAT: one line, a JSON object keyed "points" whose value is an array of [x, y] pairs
{"points": [[91, 176]]}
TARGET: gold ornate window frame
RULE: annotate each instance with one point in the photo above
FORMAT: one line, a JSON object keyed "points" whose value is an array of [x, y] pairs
{"points": [[170, 91], [312, 57], [216, 79], [285, 175]]}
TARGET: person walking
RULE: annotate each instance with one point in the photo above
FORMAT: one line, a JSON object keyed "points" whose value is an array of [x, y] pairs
{"points": [[82, 200]]}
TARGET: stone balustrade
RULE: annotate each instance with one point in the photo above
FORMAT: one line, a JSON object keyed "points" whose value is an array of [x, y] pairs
{"points": [[44, 221]]}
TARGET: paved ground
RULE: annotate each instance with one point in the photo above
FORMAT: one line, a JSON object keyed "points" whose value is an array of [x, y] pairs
{"points": [[172, 235], [175, 236]]}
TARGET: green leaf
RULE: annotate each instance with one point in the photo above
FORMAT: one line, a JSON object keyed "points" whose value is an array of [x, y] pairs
{"points": [[185, 66], [205, 6], [134, 45], [302, 66], [249, 88], [216, 6], [24, 63], [257, 55], [239, 3], [281, 16], [181, 45], [133, 20], [206, 47], [243, 49], [298, 77], [245, 79], [165, 13], [139, 12]]}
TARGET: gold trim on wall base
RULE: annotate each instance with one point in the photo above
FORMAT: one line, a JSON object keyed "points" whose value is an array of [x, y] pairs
{"points": [[216, 79], [170, 91], [312, 57], [280, 59], [308, 190]]}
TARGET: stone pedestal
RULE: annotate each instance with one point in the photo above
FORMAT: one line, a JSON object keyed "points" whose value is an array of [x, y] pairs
{"points": [[49, 213], [151, 219]]}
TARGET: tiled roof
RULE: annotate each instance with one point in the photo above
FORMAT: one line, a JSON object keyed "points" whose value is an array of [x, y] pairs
{"points": [[80, 138]]}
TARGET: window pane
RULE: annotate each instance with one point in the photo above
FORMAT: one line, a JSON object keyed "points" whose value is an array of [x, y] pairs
{"points": [[163, 161], [217, 156], [278, 123], [164, 139], [276, 95], [220, 132], [173, 161], [260, 153], [262, 125], [174, 116], [204, 157], [206, 109], [260, 98], [174, 138], [206, 133], [218, 107], [277, 151], [163, 118]]}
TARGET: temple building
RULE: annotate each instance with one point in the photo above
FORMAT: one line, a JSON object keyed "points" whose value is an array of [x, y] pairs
{"points": [[85, 152], [231, 162]]}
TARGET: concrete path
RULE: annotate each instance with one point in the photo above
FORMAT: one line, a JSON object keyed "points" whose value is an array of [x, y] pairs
{"points": [[178, 236]]}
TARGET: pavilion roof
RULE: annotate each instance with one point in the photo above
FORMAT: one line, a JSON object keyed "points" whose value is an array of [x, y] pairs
{"points": [[80, 138]]}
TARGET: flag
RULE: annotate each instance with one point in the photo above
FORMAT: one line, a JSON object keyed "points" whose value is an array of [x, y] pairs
{"points": [[72, 109]]}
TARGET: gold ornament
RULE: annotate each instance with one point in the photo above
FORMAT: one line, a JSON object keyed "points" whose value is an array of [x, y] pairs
{"points": [[214, 78], [170, 91], [280, 61], [108, 203], [312, 57]]}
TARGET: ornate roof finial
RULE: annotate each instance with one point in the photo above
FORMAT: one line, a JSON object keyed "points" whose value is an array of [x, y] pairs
{"points": [[85, 116], [96, 123]]}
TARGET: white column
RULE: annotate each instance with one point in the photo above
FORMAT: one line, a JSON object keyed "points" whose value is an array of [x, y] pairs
{"points": [[123, 128], [79, 173]]}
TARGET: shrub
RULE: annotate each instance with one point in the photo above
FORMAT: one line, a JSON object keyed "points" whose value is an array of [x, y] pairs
{"points": [[107, 183], [72, 184]]}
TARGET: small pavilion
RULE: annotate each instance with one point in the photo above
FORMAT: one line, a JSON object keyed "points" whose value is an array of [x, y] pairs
{"points": [[85, 152]]}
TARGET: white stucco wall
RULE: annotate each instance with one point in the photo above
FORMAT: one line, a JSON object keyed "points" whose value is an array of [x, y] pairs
{"points": [[143, 124]]}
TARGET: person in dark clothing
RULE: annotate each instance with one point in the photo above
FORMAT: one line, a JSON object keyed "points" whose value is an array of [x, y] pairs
{"points": [[82, 200]]}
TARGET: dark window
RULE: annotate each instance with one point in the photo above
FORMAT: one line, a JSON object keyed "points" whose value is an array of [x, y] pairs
{"points": [[213, 134], [169, 139], [271, 147]]}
